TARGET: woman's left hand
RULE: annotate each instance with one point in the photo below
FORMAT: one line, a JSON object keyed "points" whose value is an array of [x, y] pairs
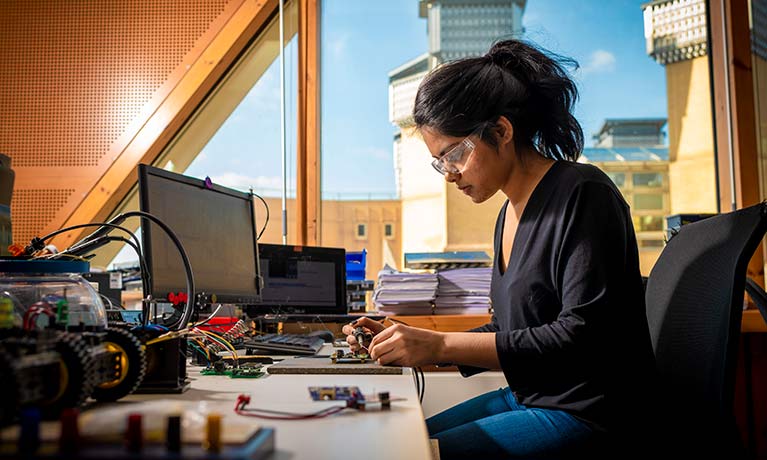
{"points": [[406, 346]]}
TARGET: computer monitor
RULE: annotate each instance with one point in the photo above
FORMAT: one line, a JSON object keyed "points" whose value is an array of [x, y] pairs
{"points": [[217, 227], [301, 280]]}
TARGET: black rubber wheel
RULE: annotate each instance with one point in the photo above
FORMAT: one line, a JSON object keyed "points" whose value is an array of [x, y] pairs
{"points": [[8, 386], [133, 366], [76, 375]]}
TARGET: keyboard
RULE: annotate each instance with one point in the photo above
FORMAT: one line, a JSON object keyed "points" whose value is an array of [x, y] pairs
{"points": [[284, 344]]}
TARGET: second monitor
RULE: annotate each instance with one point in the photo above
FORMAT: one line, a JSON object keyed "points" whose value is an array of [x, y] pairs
{"points": [[302, 280]]}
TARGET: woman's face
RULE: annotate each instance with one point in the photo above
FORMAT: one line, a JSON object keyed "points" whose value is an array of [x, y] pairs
{"points": [[478, 172]]}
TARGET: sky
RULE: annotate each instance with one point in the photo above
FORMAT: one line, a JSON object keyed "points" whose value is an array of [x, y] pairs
{"points": [[363, 40]]}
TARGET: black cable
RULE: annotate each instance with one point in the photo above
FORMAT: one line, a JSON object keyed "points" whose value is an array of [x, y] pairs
{"points": [[267, 214], [146, 278], [94, 224], [100, 241], [184, 320], [423, 385], [114, 223], [417, 383]]}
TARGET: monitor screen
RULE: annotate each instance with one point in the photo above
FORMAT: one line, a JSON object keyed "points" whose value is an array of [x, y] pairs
{"points": [[216, 226], [302, 279]]}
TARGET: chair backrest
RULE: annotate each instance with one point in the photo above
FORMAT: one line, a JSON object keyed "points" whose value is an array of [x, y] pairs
{"points": [[694, 309]]}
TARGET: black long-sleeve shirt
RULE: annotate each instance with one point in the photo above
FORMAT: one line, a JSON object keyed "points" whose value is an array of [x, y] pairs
{"points": [[569, 311]]}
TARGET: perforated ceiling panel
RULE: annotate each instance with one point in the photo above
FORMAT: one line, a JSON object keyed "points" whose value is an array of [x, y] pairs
{"points": [[40, 207], [78, 79], [75, 74]]}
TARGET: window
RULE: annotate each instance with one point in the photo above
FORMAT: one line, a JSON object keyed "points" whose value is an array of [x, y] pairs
{"points": [[388, 230], [651, 244], [650, 224], [217, 141], [361, 231], [644, 106], [619, 179], [648, 179], [645, 201]]}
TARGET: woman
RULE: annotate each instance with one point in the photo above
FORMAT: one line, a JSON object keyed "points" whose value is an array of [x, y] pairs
{"points": [[569, 329]]}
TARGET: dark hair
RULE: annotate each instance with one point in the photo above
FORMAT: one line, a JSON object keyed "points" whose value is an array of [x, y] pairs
{"points": [[527, 85]]}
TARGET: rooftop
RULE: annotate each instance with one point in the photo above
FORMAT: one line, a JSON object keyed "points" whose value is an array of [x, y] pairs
{"points": [[624, 154]]}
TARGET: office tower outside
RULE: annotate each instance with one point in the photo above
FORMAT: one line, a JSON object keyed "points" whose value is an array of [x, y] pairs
{"points": [[465, 28], [675, 32]]}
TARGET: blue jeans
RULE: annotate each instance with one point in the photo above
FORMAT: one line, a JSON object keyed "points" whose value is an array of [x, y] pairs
{"points": [[496, 425]]}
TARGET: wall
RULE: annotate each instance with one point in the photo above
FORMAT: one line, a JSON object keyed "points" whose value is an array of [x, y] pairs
{"points": [[90, 89], [692, 170]]}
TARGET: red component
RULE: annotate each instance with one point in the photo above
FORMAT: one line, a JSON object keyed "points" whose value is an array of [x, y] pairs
{"points": [[70, 431], [134, 437], [219, 324], [178, 299], [16, 250]]}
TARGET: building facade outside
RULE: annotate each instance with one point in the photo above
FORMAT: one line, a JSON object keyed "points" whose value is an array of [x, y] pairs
{"points": [[632, 152], [373, 225], [675, 31]]}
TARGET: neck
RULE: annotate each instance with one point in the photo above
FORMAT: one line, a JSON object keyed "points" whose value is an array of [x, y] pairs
{"points": [[528, 169]]}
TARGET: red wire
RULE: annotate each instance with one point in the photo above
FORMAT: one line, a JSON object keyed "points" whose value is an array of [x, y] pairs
{"points": [[243, 400], [321, 414]]}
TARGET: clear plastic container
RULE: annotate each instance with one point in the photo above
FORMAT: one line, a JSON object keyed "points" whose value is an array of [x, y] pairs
{"points": [[44, 297]]}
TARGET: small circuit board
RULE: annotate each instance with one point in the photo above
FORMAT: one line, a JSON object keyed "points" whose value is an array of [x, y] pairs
{"points": [[341, 357], [336, 394], [248, 371]]}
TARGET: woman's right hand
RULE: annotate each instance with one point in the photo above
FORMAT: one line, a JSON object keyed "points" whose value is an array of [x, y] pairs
{"points": [[370, 326]]}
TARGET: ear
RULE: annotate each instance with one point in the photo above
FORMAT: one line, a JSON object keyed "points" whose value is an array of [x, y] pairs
{"points": [[504, 131]]}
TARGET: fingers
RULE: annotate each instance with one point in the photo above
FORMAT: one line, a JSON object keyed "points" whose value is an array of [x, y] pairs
{"points": [[385, 334], [353, 345], [396, 357], [379, 350], [374, 326]]}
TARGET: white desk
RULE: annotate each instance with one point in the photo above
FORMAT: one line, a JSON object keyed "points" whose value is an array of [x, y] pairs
{"points": [[396, 434]]}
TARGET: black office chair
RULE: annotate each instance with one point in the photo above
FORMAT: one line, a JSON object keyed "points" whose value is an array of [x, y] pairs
{"points": [[694, 309]]}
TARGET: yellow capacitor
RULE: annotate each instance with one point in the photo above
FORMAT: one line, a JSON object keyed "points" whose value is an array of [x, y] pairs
{"points": [[213, 434]]}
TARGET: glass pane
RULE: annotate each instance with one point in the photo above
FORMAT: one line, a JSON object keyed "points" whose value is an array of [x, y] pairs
{"points": [[648, 201], [650, 223], [644, 105], [234, 138], [618, 178], [648, 179]]}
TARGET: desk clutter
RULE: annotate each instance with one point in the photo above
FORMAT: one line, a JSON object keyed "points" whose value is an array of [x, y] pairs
{"points": [[159, 429], [83, 381], [458, 291]]}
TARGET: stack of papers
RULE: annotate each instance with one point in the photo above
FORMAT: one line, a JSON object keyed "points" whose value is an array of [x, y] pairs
{"points": [[400, 293], [463, 291]]}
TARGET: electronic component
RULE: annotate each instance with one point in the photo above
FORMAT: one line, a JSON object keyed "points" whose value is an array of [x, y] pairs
{"points": [[341, 357], [139, 441], [242, 372], [213, 433], [362, 336], [134, 435], [336, 393]]}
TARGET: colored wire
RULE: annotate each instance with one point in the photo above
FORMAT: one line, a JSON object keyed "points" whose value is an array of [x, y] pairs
{"points": [[243, 401], [201, 351], [208, 318], [221, 340]]}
